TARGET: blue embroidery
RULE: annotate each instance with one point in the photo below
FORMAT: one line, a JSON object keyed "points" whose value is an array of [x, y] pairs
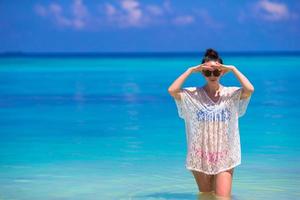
{"points": [[219, 115]]}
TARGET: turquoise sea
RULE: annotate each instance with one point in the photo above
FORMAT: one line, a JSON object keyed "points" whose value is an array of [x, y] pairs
{"points": [[105, 127]]}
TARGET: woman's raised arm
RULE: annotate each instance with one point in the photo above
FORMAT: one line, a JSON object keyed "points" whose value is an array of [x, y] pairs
{"points": [[248, 88], [175, 87]]}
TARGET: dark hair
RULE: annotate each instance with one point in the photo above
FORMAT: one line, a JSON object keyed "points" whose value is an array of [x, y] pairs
{"points": [[211, 55]]}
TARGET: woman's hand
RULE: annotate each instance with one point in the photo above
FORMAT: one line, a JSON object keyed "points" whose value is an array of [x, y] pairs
{"points": [[224, 68], [199, 68]]}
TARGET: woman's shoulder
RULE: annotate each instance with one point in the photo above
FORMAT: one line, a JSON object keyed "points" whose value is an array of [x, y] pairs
{"points": [[191, 91], [231, 89], [190, 88]]}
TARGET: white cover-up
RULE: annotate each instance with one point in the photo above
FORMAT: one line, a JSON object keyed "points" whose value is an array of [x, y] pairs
{"points": [[212, 130]]}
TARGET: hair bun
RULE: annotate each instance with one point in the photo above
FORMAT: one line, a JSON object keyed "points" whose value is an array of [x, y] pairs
{"points": [[210, 55]]}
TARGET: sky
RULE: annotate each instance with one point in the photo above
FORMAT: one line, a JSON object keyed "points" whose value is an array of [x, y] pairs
{"points": [[149, 26]]}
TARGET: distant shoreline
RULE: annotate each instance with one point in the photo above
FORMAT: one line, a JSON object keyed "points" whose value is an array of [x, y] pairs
{"points": [[144, 54]]}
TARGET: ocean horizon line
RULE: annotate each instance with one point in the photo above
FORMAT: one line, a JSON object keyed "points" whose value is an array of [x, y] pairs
{"points": [[145, 54]]}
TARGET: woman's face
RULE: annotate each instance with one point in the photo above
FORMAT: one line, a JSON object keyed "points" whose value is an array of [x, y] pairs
{"points": [[212, 67]]}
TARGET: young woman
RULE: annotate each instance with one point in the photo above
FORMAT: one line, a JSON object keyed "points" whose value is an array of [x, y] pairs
{"points": [[211, 115]]}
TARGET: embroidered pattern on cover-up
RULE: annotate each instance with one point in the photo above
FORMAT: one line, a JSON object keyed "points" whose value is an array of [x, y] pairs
{"points": [[212, 130]]}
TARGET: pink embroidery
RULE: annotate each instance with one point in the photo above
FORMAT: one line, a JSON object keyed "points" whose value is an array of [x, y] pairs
{"points": [[212, 157]]}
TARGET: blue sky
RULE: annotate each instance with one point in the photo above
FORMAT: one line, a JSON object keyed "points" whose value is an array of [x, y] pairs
{"points": [[149, 26]]}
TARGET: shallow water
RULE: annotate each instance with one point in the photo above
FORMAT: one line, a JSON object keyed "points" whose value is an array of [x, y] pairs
{"points": [[106, 128]]}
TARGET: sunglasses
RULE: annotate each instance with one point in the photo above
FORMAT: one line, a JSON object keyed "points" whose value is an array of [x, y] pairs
{"points": [[208, 73]]}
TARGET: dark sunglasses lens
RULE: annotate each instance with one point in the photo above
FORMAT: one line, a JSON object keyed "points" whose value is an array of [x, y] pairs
{"points": [[207, 73], [216, 73]]}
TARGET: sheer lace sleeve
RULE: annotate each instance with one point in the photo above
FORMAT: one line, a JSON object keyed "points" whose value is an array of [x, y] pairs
{"points": [[241, 104], [180, 104]]}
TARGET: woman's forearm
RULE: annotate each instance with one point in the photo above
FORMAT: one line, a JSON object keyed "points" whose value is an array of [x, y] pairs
{"points": [[176, 85], [248, 87]]}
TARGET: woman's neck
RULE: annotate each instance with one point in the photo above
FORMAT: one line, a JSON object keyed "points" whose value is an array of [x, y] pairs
{"points": [[213, 88]]}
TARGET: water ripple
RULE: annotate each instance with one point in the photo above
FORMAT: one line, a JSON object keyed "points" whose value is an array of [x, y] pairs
{"points": [[30, 100]]}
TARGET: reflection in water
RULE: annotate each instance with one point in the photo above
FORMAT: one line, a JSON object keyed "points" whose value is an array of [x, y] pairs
{"points": [[211, 196], [181, 196]]}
